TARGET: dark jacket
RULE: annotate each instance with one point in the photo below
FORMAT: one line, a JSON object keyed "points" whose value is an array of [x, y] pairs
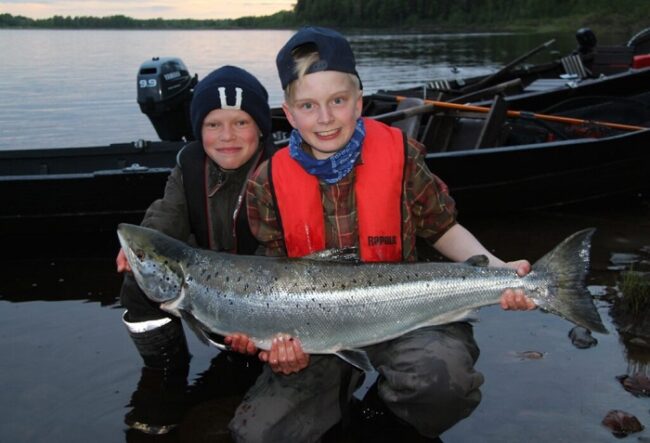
{"points": [[204, 205]]}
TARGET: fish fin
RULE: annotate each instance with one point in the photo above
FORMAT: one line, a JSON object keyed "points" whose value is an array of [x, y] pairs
{"points": [[216, 344], [477, 260], [569, 261], [356, 357], [200, 332], [350, 254], [195, 326]]}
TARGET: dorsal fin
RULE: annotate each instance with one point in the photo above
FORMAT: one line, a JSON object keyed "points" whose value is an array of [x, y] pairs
{"points": [[348, 255]]}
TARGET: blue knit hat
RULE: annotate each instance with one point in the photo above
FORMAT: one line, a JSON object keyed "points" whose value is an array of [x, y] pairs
{"points": [[230, 87], [333, 49]]}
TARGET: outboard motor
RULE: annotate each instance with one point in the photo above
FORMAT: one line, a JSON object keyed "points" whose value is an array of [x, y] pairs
{"points": [[165, 89], [586, 41]]}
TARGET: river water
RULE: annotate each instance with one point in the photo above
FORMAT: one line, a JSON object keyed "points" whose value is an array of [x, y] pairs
{"points": [[67, 366], [78, 88]]}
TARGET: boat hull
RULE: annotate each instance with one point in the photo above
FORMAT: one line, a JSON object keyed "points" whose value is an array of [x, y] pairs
{"points": [[95, 188], [500, 180]]}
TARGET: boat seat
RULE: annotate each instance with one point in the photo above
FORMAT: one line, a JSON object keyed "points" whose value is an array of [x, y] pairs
{"points": [[480, 132], [443, 132], [438, 132], [612, 59], [466, 132], [491, 131], [410, 125], [548, 84]]}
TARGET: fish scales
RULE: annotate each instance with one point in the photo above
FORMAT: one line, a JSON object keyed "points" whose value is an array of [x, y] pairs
{"points": [[362, 305], [333, 306]]}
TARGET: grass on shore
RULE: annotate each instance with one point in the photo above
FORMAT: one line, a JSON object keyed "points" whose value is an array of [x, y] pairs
{"points": [[635, 288]]}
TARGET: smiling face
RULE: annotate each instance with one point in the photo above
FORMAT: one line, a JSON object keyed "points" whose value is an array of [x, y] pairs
{"points": [[324, 107], [230, 137]]}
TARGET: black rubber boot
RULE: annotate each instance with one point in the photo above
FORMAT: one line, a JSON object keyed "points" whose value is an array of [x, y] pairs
{"points": [[161, 397], [161, 343]]}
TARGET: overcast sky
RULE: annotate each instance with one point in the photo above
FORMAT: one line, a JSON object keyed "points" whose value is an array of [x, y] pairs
{"points": [[198, 9]]}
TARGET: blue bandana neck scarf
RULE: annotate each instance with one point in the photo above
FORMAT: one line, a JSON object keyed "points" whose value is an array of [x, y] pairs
{"points": [[334, 168]]}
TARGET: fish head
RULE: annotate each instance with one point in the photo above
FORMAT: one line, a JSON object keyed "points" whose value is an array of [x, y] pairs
{"points": [[155, 259]]}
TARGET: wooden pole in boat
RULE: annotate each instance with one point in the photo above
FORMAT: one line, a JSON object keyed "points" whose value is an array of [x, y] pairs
{"points": [[520, 114]]}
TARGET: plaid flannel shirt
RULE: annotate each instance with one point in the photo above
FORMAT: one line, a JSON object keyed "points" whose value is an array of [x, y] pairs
{"points": [[428, 209]]}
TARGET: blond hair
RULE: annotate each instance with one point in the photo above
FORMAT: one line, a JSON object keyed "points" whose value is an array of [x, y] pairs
{"points": [[304, 57]]}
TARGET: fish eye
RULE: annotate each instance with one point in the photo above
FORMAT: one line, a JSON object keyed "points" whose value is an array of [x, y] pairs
{"points": [[140, 254]]}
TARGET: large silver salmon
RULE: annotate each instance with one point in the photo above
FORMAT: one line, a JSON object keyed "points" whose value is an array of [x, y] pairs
{"points": [[338, 307]]}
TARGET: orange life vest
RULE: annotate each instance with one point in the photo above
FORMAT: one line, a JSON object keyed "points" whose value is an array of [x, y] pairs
{"points": [[378, 191]]}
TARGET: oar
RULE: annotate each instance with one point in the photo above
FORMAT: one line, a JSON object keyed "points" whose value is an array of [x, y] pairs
{"points": [[519, 114], [491, 78]]}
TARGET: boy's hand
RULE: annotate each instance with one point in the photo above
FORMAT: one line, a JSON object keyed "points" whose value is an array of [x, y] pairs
{"points": [[286, 355], [122, 262], [515, 299], [240, 343]]}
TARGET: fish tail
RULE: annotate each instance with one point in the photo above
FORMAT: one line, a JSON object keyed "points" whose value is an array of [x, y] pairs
{"points": [[569, 262]]}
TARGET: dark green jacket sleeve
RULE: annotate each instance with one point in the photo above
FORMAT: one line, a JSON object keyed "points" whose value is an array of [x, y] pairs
{"points": [[169, 214]]}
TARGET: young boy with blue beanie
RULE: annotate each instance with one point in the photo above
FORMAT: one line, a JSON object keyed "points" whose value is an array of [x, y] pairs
{"points": [[202, 205], [348, 181]]}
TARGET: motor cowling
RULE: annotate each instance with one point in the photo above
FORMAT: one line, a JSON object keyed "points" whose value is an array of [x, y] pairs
{"points": [[165, 89], [587, 40]]}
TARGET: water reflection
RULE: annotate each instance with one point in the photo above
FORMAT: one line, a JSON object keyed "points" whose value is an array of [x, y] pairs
{"points": [[631, 309], [201, 409], [78, 355], [414, 59], [638, 358]]}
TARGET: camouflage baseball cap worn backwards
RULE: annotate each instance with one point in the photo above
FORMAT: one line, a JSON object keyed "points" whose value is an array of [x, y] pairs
{"points": [[334, 51]]}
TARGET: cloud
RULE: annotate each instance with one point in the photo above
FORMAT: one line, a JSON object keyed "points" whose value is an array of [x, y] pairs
{"points": [[144, 9]]}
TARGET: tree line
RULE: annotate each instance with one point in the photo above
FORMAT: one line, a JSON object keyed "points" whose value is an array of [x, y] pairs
{"points": [[124, 22], [387, 13], [440, 14]]}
